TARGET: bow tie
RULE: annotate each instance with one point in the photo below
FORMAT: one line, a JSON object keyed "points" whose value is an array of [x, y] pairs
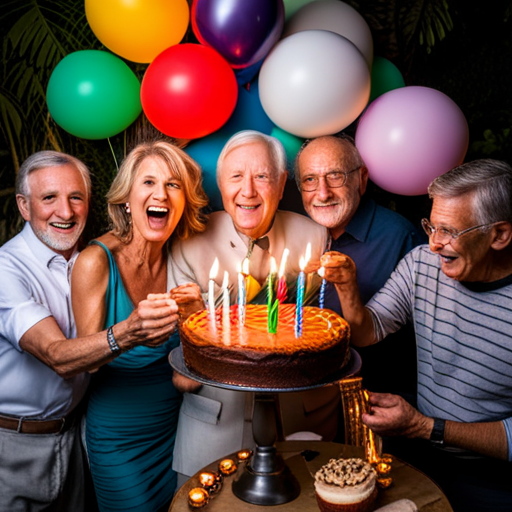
{"points": [[262, 242]]}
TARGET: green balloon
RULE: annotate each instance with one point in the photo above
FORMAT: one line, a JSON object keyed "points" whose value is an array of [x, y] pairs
{"points": [[292, 6], [93, 94], [385, 77], [290, 142]]}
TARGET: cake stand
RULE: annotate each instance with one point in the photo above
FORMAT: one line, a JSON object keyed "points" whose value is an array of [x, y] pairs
{"points": [[266, 479]]}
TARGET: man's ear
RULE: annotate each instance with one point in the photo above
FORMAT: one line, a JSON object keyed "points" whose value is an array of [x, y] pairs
{"points": [[502, 235], [23, 206], [363, 180], [282, 183]]}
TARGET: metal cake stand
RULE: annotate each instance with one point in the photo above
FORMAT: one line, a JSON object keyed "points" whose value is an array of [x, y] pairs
{"points": [[266, 479]]}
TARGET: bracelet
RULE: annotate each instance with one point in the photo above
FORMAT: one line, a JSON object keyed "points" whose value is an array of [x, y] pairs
{"points": [[112, 343], [437, 434]]}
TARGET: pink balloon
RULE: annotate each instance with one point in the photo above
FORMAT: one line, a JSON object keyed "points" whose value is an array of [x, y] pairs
{"points": [[409, 136]]}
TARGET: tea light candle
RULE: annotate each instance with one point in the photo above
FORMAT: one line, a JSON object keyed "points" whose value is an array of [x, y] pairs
{"points": [[244, 455], [321, 298], [282, 290], [227, 467], [198, 497], [211, 291], [241, 293], [271, 305], [225, 308], [207, 479]]}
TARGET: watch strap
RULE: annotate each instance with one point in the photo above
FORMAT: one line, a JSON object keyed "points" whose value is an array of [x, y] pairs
{"points": [[437, 434]]}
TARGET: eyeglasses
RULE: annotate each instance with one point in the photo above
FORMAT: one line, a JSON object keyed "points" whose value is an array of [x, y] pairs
{"points": [[334, 179], [446, 235]]}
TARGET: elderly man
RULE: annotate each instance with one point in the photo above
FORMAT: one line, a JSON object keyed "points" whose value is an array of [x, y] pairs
{"points": [[42, 369], [332, 179], [251, 173], [458, 293]]}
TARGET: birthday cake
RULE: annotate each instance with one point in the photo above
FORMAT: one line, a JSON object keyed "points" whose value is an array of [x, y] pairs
{"points": [[248, 355]]}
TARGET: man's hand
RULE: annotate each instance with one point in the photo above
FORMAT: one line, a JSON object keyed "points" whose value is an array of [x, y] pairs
{"points": [[391, 415], [339, 268], [189, 299], [184, 384]]}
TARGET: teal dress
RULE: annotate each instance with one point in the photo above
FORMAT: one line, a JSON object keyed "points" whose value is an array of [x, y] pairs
{"points": [[132, 418]]}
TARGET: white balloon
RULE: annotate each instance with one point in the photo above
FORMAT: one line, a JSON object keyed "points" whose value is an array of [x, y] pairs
{"points": [[314, 83], [337, 17]]}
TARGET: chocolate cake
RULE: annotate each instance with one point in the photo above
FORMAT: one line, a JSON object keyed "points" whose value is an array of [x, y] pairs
{"points": [[250, 356]]}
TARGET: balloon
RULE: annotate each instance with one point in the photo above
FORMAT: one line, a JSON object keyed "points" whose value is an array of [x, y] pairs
{"points": [[188, 91], [138, 30], [292, 6], [409, 136], [242, 31], [290, 143], [248, 115], [337, 17], [385, 77], [93, 94], [314, 83]]}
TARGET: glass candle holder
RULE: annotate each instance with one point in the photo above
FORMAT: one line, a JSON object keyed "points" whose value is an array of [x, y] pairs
{"points": [[198, 497], [227, 467]]}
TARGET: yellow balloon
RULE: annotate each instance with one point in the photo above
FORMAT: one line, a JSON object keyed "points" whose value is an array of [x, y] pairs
{"points": [[138, 30]]}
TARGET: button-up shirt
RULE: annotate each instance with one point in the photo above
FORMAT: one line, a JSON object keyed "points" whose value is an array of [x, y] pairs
{"points": [[34, 285]]}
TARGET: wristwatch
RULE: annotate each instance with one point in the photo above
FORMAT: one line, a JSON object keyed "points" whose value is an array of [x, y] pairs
{"points": [[437, 434]]}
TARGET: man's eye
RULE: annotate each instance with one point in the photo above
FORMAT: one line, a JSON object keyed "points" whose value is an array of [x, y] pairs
{"points": [[335, 176], [309, 179], [445, 232]]}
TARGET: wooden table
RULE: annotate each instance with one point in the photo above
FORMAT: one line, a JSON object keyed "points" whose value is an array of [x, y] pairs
{"points": [[408, 482]]}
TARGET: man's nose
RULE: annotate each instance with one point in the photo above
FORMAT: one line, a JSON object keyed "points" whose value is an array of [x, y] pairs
{"points": [[65, 210], [248, 189]]}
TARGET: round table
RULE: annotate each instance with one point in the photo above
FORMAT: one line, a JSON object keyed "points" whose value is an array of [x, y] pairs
{"points": [[408, 482]]}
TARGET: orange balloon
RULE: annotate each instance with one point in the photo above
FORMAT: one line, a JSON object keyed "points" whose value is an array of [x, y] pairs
{"points": [[138, 30]]}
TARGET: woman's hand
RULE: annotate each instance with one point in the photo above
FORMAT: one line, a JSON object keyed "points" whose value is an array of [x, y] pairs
{"points": [[188, 298]]}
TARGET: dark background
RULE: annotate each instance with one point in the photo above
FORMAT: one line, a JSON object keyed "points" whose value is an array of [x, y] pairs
{"points": [[459, 47]]}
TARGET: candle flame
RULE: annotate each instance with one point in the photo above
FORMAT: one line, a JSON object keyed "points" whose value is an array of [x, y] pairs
{"points": [[283, 262], [321, 272], [215, 269], [245, 267], [225, 281], [273, 265], [302, 263], [307, 257]]}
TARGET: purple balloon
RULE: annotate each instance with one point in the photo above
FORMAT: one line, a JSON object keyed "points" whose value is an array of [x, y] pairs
{"points": [[409, 136], [242, 31]]}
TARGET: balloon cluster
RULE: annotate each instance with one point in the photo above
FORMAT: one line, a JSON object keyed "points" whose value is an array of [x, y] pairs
{"points": [[313, 75]]}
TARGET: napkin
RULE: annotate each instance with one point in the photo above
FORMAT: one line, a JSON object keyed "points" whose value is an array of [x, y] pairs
{"points": [[404, 505]]}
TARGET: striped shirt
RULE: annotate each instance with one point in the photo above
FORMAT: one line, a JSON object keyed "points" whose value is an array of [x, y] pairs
{"points": [[463, 338]]}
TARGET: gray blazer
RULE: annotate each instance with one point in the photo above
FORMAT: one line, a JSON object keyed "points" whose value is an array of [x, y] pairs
{"points": [[215, 422]]}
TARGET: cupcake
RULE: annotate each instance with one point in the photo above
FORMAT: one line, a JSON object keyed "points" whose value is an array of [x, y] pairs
{"points": [[346, 485]]}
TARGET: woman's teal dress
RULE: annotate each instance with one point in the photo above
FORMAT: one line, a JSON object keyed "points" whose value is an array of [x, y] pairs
{"points": [[132, 418]]}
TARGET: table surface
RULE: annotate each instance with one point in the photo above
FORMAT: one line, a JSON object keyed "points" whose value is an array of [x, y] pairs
{"points": [[408, 482]]}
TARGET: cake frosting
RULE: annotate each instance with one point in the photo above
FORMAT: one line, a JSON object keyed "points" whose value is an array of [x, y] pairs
{"points": [[249, 355], [345, 484]]}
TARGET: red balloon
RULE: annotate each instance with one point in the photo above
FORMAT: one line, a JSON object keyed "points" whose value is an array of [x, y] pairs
{"points": [[188, 91]]}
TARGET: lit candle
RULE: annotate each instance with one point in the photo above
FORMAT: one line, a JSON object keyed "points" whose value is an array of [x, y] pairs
{"points": [[241, 293], [211, 291], [227, 467], [207, 479], [282, 290], [198, 497], [244, 455], [301, 280], [321, 298], [271, 304], [225, 308]]}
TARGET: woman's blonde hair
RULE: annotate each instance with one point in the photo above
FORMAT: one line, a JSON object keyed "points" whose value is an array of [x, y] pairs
{"points": [[182, 167]]}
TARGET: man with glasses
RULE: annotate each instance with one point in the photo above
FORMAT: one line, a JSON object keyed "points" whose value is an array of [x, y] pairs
{"points": [[332, 179], [458, 293]]}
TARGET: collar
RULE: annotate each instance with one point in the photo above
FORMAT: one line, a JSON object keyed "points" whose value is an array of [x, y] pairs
{"points": [[360, 224], [41, 251]]}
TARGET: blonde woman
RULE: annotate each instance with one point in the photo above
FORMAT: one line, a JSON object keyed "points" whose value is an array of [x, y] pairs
{"points": [[133, 406]]}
